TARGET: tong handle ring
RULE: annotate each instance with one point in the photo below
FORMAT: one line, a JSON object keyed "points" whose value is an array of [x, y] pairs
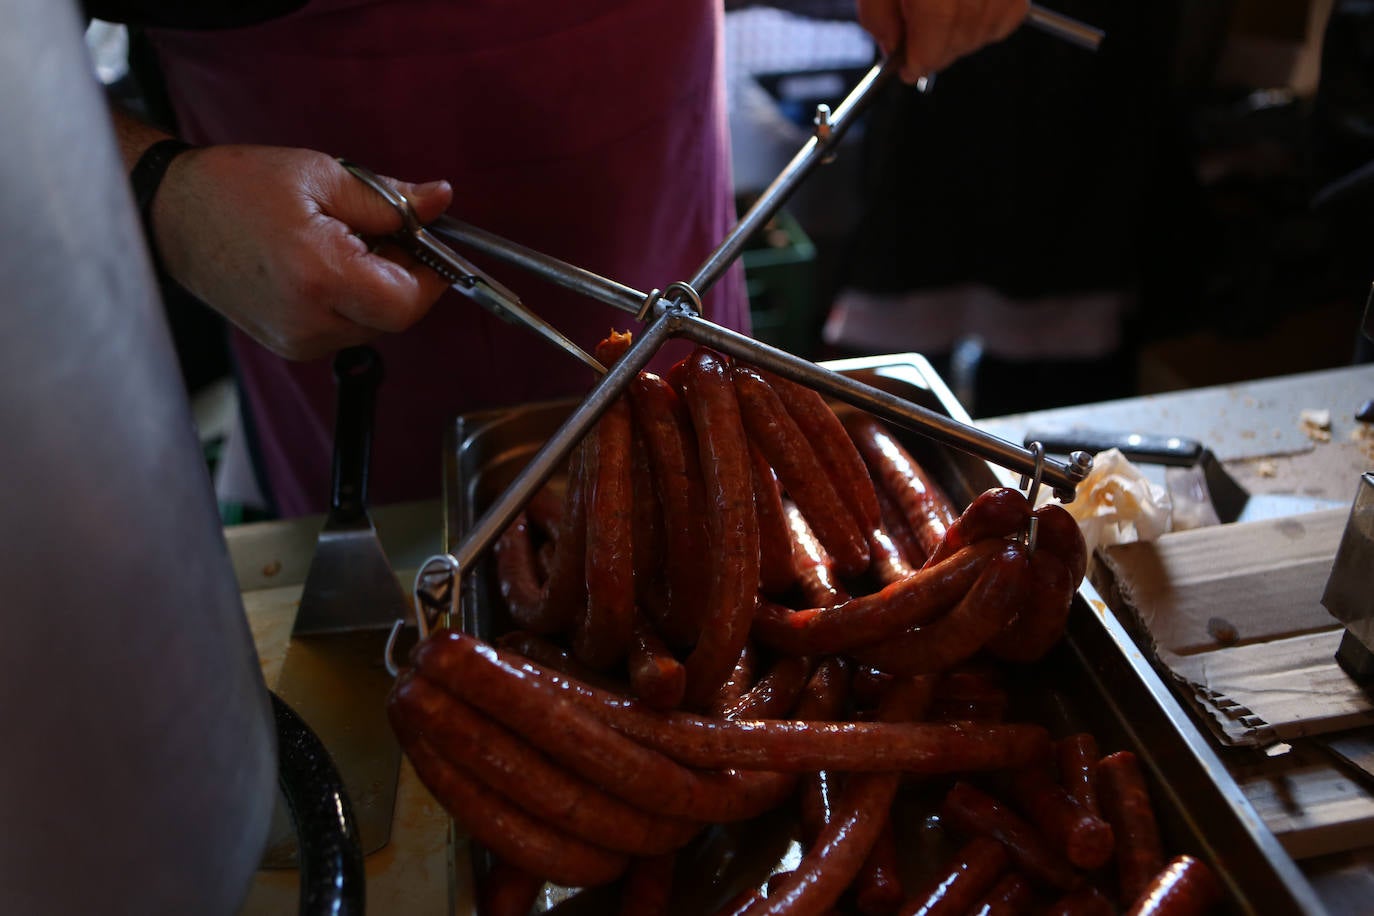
{"points": [[410, 223]]}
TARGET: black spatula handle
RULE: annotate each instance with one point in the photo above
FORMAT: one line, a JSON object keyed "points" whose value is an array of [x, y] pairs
{"points": [[358, 371]]}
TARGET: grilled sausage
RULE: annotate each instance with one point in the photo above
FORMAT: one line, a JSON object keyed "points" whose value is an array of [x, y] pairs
{"points": [[1125, 801], [975, 868], [604, 630], [772, 429], [517, 574], [656, 675], [777, 569], [1084, 838], [838, 456], [663, 422], [1184, 887], [1040, 620], [813, 570], [974, 812], [536, 701], [995, 513], [925, 506], [567, 724], [1077, 756], [732, 526], [499, 760], [1012, 895], [565, 592], [507, 831], [918, 599], [1058, 533], [956, 636]]}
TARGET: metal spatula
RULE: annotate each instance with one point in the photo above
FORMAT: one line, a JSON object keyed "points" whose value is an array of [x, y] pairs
{"points": [[334, 674]]}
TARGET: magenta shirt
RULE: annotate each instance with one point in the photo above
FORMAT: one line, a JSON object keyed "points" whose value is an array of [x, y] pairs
{"points": [[594, 131]]}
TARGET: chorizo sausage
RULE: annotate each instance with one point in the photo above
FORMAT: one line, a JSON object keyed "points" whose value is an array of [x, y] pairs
{"points": [[545, 510], [1125, 801], [956, 636], [895, 524], [663, 422], [972, 811], [774, 695], [1184, 887], [506, 890], [777, 570], [772, 429], [995, 513], [648, 886], [646, 525], [1077, 756], [604, 630], [741, 678], [969, 695], [827, 869], [918, 599], [975, 868], [877, 887], [552, 655], [507, 831], [825, 697], [1084, 838], [565, 592], [925, 506], [732, 525], [1040, 620], [563, 718], [845, 845], [887, 563], [503, 763], [535, 701], [656, 675], [1012, 895], [1057, 531], [835, 450], [517, 574], [813, 571]]}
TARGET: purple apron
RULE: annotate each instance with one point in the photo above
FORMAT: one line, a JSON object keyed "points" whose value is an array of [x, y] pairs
{"points": [[593, 131]]}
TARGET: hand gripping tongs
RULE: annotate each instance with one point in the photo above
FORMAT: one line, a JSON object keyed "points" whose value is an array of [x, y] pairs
{"points": [[465, 276]]}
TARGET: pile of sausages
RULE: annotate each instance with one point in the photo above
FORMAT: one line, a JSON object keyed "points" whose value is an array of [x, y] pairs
{"points": [[738, 600]]}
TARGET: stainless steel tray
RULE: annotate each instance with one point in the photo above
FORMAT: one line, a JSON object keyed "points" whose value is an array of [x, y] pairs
{"points": [[1096, 679]]}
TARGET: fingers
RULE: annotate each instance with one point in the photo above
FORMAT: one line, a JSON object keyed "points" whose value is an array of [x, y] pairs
{"points": [[379, 285], [928, 35], [345, 197], [930, 31], [882, 19]]}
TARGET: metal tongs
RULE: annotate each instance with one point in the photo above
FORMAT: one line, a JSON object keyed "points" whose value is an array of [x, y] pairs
{"points": [[675, 311], [465, 276]]}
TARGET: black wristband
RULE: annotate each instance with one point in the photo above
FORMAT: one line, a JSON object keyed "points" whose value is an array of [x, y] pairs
{"points": [[146, 177]]}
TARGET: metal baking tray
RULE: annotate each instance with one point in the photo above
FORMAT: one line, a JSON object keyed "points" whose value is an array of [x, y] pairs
{"points": [[1096, 679]]}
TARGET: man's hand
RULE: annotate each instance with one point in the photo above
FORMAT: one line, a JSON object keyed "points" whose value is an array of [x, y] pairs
{"points": [[928, 35], [278, 241]]}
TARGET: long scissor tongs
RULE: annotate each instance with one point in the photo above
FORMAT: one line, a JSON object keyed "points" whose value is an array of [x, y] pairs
{"points": [[465, 276]]}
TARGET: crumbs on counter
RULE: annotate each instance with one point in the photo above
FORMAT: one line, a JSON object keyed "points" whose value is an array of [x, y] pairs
{"points": [[1363, 436], [1316, 424], [1267, 468]]}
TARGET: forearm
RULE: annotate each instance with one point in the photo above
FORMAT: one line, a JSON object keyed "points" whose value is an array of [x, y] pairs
{"points": [[133, 135]]}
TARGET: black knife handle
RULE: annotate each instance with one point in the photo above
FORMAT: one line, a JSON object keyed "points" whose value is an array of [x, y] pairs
{"points": [[358, 371], [1143, 447]]}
